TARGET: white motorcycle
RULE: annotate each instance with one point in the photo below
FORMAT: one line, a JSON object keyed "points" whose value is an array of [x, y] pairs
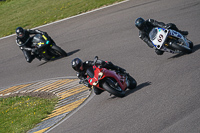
{"points": [[171, 41]]}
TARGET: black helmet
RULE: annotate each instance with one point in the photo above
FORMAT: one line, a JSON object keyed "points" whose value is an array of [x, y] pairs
{"points": [[20, 32], [77, 64], [140, 23]]}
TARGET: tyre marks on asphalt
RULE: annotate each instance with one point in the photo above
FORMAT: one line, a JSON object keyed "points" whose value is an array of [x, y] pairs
{"points": [[71, 95]]}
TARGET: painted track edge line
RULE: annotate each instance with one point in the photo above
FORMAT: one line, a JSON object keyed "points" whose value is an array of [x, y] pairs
{"points": [[73, 112], [67, 77]]}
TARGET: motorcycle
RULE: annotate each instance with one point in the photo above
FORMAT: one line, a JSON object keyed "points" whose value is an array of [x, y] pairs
{"points": [[46, 47], [110, 81], [171, 41]]}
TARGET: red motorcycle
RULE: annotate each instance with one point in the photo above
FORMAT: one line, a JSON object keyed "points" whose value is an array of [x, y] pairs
{"points": [[111, 81]]}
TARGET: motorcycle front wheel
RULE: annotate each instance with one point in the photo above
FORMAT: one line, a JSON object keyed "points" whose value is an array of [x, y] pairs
{"points": [[111, 88]]}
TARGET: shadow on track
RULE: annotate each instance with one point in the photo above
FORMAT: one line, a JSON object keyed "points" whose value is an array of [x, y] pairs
{"points": [[68, 54], [72, 52], [177, 55], [140, 86], [195, 48]]}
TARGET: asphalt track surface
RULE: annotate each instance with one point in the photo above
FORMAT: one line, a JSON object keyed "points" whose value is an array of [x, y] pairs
{"points": [[167, 97]]}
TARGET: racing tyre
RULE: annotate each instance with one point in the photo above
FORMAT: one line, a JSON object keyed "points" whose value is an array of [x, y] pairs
{"points": [[109, 85], [59, 51], [182, 48], [190, 44], [133, 82]]}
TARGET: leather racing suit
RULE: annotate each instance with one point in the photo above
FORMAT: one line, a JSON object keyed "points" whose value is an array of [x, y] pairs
{"points": [[149, 25]]}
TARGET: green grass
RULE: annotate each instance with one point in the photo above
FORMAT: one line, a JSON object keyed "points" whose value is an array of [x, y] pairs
{"points": [[33, 13], [20, 114]]}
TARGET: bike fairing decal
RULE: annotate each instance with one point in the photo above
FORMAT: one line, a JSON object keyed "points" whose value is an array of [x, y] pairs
{"points": [[179, 35], [160, 36], [90, 80], [40, 44], [175, 33], [47, 42], [159, 30], [44, 37]]}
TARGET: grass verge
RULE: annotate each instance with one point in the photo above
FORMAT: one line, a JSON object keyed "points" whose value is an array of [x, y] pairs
{"points": [[32, 13], [20, 114]]}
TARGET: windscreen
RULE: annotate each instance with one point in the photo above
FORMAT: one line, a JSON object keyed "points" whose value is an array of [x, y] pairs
{"points": [[37, 38], [152, 34], [90, 72]]}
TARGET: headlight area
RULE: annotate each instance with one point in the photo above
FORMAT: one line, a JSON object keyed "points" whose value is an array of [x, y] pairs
{"points": [[95, 83], [100, 75]]}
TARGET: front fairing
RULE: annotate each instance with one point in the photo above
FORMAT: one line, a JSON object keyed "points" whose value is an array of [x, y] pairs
{"points": [[92, 74], [161, 36], [94, 78], [40, 41], [158, 37]]}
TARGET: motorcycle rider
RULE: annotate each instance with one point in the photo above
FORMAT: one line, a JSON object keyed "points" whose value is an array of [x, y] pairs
{"points": [[145, 27], [24, 43], [81, 67]]}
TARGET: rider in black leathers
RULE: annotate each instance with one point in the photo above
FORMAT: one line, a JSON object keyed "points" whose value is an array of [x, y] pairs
{"points": [[145, 28], [24, 42], [81, 67]]}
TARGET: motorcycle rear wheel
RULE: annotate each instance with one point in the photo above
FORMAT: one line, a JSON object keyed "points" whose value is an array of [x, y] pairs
{"points": [[133, 82], [118, 92], [58, 51], [190, 44], [181, 48]]}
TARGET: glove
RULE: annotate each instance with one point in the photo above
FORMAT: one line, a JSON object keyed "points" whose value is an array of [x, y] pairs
{"points": [[103, 64], [81, 82], [87, 84], [34, 50], [167, 26]]}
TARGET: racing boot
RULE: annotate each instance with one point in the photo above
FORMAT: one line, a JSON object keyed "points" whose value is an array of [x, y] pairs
{"points": [[38, 57], [30, 58]]}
